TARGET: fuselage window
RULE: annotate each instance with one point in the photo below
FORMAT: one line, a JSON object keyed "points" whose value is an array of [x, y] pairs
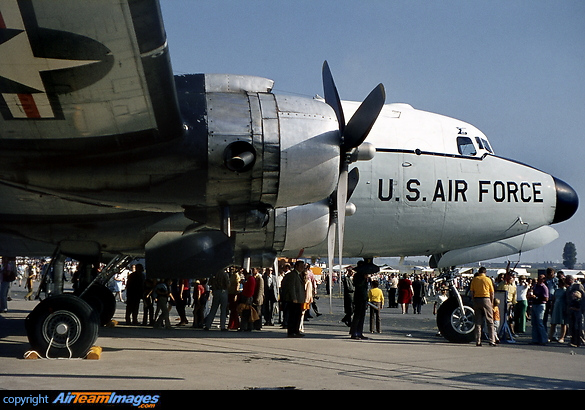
{"points": [[465, 146]]}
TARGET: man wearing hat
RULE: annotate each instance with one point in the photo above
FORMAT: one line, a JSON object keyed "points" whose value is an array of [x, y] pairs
{"points": [[293, 296], [361, 276]]}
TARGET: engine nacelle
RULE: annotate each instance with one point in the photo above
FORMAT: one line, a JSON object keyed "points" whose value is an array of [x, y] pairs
{"points": [[268, 150], [290, 230]]}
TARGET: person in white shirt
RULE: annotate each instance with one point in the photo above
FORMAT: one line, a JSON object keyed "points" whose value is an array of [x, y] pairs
{"points": [[521, 306]]}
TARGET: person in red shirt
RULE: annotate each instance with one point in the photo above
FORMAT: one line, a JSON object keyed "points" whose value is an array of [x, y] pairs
{"points": [[199, 301], [247, 298]]}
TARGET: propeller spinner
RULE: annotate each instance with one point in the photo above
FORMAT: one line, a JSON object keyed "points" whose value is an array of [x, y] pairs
{"points": [[353, 134]]}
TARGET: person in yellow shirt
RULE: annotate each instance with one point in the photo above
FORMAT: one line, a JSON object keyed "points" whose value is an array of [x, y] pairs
{"points": [[482, 292], [376, 301]]}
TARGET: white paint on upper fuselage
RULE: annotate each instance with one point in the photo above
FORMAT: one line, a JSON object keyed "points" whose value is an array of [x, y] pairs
{"points": [[400, 126]]}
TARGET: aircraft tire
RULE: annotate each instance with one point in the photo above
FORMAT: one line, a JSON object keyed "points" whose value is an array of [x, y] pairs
{"points": [[103, 301], [62, 326], [453, 326]]}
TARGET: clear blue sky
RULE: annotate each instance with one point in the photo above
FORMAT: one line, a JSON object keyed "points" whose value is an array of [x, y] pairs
{"points": [[514, 69]]}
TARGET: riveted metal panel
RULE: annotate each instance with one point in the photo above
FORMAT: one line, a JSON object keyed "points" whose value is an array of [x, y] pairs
{"points": [[232, 83], [271, 149], [228, 114], [300, 227], [229, 120], [309, 150], [256, 134]]}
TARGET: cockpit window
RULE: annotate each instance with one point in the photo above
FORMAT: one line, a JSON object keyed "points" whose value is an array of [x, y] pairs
{"points": [[482, 143], [479, 143], [465, 146]]}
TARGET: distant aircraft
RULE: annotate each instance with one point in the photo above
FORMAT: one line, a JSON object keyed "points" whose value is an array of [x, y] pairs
{"points": [[106, 155]]}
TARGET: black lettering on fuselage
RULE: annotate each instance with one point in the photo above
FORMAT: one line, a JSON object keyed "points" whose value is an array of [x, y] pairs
{"points": [[460, 189], [536, 191], [390, 194], [510, 191], [410, 187], [439, 191], [499, 191], [525, 189], [456, 191], [483, 190]]}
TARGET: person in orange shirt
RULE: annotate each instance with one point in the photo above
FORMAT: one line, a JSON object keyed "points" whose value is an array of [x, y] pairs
{"points": [[482, 292]]}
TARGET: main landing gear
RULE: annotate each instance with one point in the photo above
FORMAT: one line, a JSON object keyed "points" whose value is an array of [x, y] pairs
{"points": [[66, 325], [62, 326]]}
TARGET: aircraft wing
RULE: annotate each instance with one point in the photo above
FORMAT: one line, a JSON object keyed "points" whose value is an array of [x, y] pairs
{"points": [[100, 70]]}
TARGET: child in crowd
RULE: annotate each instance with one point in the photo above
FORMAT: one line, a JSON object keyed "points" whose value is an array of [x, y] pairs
{"points": [[496, 309]]}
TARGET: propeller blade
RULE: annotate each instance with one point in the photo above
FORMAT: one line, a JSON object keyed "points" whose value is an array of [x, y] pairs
{"points": [[330, 251], [332, 96], [353, 179], [360, 124], [341, 201]]}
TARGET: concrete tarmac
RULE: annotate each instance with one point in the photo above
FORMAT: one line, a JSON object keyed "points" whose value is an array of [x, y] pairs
{"points": [[407, 355]]}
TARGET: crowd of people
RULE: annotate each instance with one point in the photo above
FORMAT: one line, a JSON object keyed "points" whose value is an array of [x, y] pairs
{"points": [[244, 299], [248, 299], [553, 303], [21, 272], [362, 290]]}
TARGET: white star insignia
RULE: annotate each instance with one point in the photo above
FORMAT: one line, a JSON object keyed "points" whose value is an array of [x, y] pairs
{"points": [[27, 69]]}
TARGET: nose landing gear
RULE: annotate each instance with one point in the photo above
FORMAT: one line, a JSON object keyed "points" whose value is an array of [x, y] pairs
{"points": [[456, 325], [455, 318]]}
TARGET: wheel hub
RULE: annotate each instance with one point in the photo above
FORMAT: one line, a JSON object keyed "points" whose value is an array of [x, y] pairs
{"points": [[61, 328], [462, 322]]}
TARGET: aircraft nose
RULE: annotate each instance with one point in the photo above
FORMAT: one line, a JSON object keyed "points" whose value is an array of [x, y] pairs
{"points": [[567, 201]]}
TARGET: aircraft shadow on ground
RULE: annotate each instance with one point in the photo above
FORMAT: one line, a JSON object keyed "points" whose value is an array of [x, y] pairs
{"points": [[433, 377], [516, 381]]}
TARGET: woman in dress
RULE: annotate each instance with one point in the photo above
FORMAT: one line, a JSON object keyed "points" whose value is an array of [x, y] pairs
{"points": [[559, 313], [308, 298], [405, 293]]}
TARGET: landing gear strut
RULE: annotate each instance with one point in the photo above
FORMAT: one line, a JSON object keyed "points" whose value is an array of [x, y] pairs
{"points": [[65, 325]]}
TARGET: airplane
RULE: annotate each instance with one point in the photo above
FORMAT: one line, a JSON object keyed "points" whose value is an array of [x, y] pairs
{"points": [[108, 156]]}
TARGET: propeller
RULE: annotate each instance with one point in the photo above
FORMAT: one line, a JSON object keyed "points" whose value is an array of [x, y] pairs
{"points": [[352, 181], [353, 134]]}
